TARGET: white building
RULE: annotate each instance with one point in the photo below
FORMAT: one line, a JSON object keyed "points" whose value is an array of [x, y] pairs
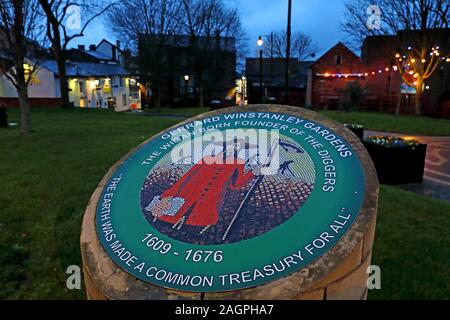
{"points": [[96, 80], [99, 85]]}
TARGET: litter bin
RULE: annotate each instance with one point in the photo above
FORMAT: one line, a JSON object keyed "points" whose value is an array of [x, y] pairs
{"points": [[3, 116]]}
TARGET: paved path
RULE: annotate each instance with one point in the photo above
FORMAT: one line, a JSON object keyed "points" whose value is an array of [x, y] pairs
{"points": [[437, 166]]}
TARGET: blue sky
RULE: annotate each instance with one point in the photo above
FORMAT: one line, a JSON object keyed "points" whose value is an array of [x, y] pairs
{"points": [[318, 18]]}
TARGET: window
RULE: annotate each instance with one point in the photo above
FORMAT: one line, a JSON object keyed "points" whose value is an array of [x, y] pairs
{"points": [[338, 60], [82, 88], [124, 100]]}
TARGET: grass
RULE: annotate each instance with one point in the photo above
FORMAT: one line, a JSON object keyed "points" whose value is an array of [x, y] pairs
{"points": [[46, 179], [183, 112], [412, 246], [408, 124]]}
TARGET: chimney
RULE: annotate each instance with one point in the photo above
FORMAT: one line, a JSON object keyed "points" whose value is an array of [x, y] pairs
{"points": [[92, 47], [114, 53], [118, 44], [81, 47]]}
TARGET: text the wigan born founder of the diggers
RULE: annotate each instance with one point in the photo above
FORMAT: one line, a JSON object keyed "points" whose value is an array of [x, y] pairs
{"points": [[230, 201]]}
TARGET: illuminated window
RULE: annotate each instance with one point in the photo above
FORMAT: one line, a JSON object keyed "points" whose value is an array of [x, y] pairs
{"points": [[81, 87]]}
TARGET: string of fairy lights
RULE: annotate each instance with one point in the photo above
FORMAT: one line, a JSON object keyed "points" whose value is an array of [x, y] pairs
{"points": [[416, 70], [408, 67]]}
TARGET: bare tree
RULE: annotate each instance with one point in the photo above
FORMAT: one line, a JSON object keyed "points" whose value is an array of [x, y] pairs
{"points": [[302, 46], [61, 34], [148, 27], [204, 22], [417, 22], [22, 30]]}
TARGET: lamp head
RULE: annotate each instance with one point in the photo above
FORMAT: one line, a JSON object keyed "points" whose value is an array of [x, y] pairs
{"points": [[260, 42]]}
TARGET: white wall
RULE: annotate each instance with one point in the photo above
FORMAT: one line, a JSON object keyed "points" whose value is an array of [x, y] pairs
{"points": [[44, 85]]}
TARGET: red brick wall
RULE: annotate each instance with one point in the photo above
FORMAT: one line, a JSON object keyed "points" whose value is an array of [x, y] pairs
{"points": [[327, 91], [34, 102]]}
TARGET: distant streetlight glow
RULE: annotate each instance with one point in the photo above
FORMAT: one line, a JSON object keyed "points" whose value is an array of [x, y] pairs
{"points": [[260, 42]]}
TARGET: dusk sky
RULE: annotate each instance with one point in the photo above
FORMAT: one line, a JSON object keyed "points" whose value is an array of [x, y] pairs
{"points": [[319, 19]]}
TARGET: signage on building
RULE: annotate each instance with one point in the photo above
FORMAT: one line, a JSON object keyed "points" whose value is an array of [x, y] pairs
{"points": [[230, 201], [406, 89]]}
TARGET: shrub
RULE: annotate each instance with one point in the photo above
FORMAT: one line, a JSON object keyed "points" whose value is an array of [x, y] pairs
{"points": [[353, 95]]}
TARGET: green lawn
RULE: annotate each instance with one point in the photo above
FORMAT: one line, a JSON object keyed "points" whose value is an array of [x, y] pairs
{"points": [[47, 178], [183, 112], [409, 124]]}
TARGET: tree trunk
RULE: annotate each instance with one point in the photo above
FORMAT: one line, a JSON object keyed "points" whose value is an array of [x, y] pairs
{"points": [[418, 99], [58, 51], [201, 97], [25, 118], [63, 84], [21, 82], [397, 107]]}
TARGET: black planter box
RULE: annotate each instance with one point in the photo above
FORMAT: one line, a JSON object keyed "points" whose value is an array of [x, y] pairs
{"points": [[3, 117], [398, 165], [358, 131]]}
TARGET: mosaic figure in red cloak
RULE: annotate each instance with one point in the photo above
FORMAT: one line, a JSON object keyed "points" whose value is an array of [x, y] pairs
{"points": [[203, 189]]}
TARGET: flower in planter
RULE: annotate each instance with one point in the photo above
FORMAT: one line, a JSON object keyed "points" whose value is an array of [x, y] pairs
{"points": [[353, 126], [392, 142]]}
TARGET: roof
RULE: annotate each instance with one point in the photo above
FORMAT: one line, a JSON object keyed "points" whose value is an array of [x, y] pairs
{"points": [[338, 45], [97, 55], [86, 69]]}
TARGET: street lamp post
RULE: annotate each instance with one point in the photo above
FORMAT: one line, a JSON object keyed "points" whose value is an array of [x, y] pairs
{"points": [[186, 82], [288, 53], [260, 43]]}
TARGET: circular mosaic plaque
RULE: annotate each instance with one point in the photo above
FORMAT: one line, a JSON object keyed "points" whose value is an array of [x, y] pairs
{"points": [[230, 200]]}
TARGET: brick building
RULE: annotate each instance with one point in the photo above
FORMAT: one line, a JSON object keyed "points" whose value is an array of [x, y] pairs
{"points": [[330, 74], [376, 71], [384, 85]]}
